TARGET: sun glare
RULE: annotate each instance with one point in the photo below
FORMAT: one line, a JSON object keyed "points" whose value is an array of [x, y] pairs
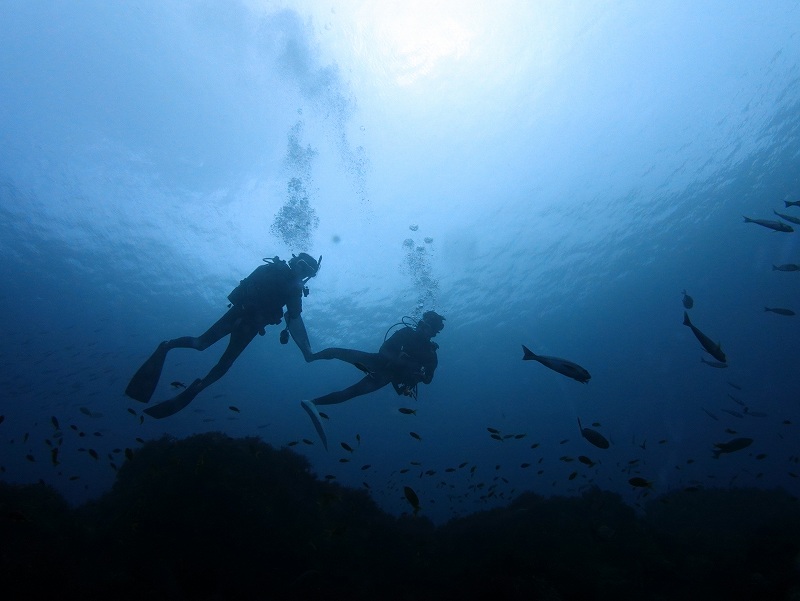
{"points": [[418, 37]]}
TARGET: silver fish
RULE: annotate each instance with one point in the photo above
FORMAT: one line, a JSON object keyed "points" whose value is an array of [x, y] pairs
{"points": [[562, 366], [712, 348], [778, 226]]}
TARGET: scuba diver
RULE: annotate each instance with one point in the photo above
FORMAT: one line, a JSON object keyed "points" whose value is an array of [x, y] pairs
{"points": [[256, 302], [407, 358]]}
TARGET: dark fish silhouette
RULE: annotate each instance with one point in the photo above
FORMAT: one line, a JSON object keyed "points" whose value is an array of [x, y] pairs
{"points": [[780, 311], [562, 366], [346, 447], [778, 226], [407, 411], [415, 435], [787, 217], [713, 349], [412, 498], [688, 301], [593, 436], [54, 422], [737, 444], [640, 482], [235, 409], [786, 267], [177, 384]]}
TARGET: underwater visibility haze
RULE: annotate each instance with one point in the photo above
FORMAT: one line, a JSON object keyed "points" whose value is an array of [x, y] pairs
{"points": [[615, 185]]}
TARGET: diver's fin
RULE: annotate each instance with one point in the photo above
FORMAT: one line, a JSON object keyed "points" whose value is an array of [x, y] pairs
{"points": [[311, 409], [172, 406], [143, 383]]}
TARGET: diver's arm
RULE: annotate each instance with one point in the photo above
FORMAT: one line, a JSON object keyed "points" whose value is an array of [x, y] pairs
{"points": [[298, 331]]}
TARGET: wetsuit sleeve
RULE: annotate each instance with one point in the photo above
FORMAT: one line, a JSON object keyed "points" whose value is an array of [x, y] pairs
{"points": [[294, 304], [430, 366]]}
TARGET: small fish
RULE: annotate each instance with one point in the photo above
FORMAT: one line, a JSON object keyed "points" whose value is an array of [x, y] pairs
{"points": [[450, 470], [407, 411], [415, 435], [346, 447], [788, 218], [737, 444], [778, 226], [761, 456], [412, 498], [640, 482], [2, 418], [496, 437], [140, 440], [405, 470], [562, 366], [780, 311], [323, 415], [524, 465], [54, 421], [519, 436], [54, 456], [786, 267], [366, 466], [128, 454], [30, 458], [177, 384], [716, 364], [86, 411], [131, 411], [344, 460], [358, 439], [733, 413], [586, 461], [234, 408], [292, 443], [593, 436], [93, 453], [493, 430], [713, 349], [534, 445], [688, 301]]}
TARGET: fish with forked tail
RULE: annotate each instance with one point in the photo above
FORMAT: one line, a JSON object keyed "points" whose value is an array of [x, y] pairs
{"points": [[562, 366], [712, 348]]}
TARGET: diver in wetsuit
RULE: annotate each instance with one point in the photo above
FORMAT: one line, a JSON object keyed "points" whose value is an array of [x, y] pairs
{"points": [[256, 302], [407, 358]]}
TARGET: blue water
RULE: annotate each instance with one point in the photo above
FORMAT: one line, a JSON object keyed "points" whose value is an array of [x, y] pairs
{"points": [[546, 174]]}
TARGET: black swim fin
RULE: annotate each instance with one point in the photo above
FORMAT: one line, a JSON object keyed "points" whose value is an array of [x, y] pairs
{"points": [[172, 406], [144, 381]]}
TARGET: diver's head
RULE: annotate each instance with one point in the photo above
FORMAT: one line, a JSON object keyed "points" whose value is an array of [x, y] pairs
{"points": [[305, 265], [431, 323]]}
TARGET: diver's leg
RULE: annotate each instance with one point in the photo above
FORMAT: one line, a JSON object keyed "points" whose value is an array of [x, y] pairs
{"points": [[242, 334], [223, 326], [144, 381], [363, 386], [367, 362]]}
